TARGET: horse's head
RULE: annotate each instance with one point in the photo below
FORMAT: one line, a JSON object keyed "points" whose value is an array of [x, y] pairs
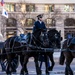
{"points": [[44, 39], [54, 37], [41, 38]]}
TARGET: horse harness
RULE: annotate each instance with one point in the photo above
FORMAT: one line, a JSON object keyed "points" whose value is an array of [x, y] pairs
{"points": [[70, 41]]}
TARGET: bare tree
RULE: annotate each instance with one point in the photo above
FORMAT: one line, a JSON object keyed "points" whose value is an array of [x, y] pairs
{"points": [[23, 13], [57, 14]]}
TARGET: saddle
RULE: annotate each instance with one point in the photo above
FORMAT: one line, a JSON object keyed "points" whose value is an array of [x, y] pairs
{"points": [[71, 41], [21, 39]]}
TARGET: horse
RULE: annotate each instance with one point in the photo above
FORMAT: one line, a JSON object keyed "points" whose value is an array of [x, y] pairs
{"points": [[12, 47], [67, 53], [55, 42], [32, 53], [51, 39]]}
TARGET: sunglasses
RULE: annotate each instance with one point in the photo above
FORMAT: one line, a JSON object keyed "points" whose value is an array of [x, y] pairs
{"points": [[40, 17]]}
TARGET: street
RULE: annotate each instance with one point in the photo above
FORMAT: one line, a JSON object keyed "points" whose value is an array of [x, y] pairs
{"points": [[58, 69]]}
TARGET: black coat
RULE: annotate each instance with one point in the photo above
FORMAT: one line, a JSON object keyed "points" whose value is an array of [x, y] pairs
{"points": [[38, 25]]}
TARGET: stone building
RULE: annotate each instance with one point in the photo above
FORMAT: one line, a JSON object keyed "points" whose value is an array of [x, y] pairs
{"points": [[22, 14]]}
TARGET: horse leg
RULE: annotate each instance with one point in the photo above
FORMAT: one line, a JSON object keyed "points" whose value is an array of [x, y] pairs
{"points": [[24, 67], [62, 58], [68, 69], [52, 62], [38, 70], [46, 64], [21, 60], [8, 70]]}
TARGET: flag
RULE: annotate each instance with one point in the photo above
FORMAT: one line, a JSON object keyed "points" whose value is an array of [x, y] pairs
{"points": [[5, 13], [2, 2]]}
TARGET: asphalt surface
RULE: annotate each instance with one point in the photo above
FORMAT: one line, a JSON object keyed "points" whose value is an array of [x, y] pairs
{"points": [[57, 70]]}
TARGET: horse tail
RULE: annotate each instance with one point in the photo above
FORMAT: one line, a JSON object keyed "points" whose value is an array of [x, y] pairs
{"points": [[62, 58]]}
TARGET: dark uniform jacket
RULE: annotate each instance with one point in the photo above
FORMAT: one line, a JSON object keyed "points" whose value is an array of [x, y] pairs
{"points": [[37, 32], [38, 25]]}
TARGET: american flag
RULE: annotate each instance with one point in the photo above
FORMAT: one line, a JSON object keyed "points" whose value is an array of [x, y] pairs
{"points": [[2, 2]]}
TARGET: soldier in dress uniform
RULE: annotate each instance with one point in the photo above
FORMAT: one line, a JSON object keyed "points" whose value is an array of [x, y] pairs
{"points": [[38, 27], [39, 24]]}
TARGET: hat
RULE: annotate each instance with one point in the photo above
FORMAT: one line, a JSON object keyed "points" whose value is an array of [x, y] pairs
{"points": [[40, 16]]}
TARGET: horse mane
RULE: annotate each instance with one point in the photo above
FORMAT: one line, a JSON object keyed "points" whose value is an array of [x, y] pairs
{"points": [[51, 32]]}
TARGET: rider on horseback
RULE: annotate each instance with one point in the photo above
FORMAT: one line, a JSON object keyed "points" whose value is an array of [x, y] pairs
{"points": [[39, 24]]}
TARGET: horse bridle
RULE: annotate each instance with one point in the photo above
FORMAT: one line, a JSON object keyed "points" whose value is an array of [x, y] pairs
{"points": [[35, 39]]}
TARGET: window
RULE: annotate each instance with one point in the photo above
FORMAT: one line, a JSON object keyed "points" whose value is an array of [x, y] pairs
{"points": [[30, 8], [46, 8], [23, 21], [69, 22], [30, 22], [11, 22], [49, 8], [10, 33], [69, 8], [69, 32], [50, 22], [10, 7], [23, 8]]}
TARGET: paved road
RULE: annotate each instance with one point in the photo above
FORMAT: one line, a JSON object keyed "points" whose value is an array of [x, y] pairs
{"points": [[58, 69]]}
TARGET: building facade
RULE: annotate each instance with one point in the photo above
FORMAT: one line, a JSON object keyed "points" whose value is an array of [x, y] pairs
{"points": [[22, 15]]}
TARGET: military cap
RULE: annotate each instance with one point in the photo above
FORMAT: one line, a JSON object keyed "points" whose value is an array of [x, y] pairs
{"points": [[40, 16]]}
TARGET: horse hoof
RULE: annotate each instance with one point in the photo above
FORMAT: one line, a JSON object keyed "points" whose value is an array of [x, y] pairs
{"points": [[3, 70], [26, 73], [39, 73], [21, 73], [13, 71], [47, 73], [8, 73], [50, 69]]}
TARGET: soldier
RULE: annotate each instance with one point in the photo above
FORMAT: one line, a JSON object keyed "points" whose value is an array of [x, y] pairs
{"points": [[38, 27], [39, 24]]}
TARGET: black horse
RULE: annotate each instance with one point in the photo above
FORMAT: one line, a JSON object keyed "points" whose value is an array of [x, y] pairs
{"points": [[68, 54], [54, 42], [41, 43], [32, 52], [50, 39], [12, 48]]}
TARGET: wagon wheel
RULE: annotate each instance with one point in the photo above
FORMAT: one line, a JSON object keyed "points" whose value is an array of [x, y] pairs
{"points": [[14, 63]]}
